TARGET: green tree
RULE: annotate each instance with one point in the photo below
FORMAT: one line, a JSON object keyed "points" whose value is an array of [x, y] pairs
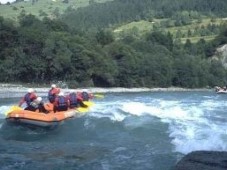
{"points": [[104, 37], [159, 38]]}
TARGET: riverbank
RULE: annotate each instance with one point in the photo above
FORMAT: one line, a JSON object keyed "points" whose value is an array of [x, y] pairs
{"points": [[12, 90]]}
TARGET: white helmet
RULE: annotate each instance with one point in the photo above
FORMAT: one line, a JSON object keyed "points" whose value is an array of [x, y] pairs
{"points": [[53, 86], [85, 90], [61, 94], [31, 90], [72, 91], [39, 99]]}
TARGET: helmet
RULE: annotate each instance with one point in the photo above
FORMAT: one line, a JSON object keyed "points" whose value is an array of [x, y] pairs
{"points": [[53, 86], [85, 90], [39, 99], [61, 94], [72, 91], [31, 90]]}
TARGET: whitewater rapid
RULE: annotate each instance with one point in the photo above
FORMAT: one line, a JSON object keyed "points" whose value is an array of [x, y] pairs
{"points": [[193, 124]]}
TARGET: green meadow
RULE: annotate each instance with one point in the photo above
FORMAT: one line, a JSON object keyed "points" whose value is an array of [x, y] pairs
{"points": [[51, 8], [41, 6], [142, 27]]}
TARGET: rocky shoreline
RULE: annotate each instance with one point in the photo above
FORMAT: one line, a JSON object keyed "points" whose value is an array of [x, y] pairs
{"points": [[10, 90], [203, 160]]}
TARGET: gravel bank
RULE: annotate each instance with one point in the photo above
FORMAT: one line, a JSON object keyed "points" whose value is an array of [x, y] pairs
{"points": [[11, 91]]}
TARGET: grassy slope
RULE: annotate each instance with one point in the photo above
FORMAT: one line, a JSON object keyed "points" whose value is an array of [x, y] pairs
{"points": [[142, 27], [48, 6], [136, 28]]}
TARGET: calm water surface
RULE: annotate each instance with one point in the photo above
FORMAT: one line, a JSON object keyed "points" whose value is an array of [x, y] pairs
{"points": [[123, 131]]}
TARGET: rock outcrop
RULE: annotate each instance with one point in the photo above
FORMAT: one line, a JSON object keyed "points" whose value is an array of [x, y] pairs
{"points": [[221, 54], [203, 160]]}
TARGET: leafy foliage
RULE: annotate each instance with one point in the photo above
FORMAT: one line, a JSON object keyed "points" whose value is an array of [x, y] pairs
{"points": [[79, 47]]}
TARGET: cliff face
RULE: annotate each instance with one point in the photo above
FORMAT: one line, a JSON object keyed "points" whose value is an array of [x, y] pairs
{"points": [[221, 54], [203, 160]]}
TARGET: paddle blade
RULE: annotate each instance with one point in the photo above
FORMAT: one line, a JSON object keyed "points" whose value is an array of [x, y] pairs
{"points": [[99, 95], [88, 103], [12, 108], [82, 109]]}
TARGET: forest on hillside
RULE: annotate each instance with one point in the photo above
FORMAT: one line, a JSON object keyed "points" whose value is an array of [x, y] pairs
{"points": [[119, 11], [79, 47]]}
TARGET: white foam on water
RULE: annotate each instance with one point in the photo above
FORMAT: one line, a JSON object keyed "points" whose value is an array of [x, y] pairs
{"points": [[193, 137], [189, 127], [109, 110], [5, 1], [211, 104], [3, 110], [135, 108]]}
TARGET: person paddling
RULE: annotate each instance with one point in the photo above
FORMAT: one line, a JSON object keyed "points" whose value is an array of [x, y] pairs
{"points": [[40, 106], [75, 100], [60, 103], [37, 106], [53, 92], [85, 95], [28, 99]]}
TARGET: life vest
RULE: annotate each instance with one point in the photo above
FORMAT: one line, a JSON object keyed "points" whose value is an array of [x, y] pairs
{"points": [[62, 101], [34, 104], [28, 99], [73, 99], [85, 96], [51, 96]]}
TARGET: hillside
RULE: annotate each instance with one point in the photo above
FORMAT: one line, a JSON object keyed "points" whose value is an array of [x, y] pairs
{"points": [[133, 18], [120, 43], [207, 28], [43, 8]]}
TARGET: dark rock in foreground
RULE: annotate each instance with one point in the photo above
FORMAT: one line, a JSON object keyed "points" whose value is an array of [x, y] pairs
{"points": [[203, 160]]}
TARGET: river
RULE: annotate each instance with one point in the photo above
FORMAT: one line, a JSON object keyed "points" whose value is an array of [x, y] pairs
{"points": [[122, 131]]}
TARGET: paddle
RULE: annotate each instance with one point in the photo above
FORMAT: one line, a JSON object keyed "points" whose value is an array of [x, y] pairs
{"points": [[99, 95], [88, 103], [85, 106], [82, 109], [13, 108]]}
